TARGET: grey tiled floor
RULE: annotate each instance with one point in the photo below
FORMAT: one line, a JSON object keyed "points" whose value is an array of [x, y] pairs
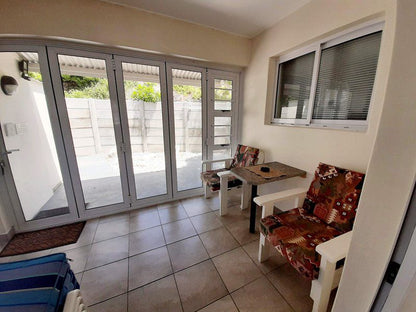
{"points": [[180, 256]]}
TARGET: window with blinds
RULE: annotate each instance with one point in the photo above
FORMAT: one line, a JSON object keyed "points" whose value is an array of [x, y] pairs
{"points": [[338, 76], [295, 77]]}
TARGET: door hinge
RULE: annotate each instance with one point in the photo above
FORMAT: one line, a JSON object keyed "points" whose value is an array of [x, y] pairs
{"points": [[392, 271]]}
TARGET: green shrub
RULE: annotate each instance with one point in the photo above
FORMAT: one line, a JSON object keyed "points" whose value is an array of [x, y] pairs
{"points": [[99, 90], [188, 92], [146, 92], [36, 76]]}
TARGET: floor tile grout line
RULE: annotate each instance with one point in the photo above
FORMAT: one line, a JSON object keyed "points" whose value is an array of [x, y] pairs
{"points": [[284, 298], [110, 298], [240, 244], [173, 273]]}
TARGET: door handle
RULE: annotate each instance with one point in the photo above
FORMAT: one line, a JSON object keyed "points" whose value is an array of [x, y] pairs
{"points": [[10, 151], [2, 166]]}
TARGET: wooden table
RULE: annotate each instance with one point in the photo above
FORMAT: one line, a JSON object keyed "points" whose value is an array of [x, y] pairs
{"points": [[253, 179]]}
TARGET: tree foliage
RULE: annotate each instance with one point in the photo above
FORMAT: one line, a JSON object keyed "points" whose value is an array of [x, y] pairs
{"points": [[91, 90], [71, 82], [146, 92], [188, 92], [36, 76]]}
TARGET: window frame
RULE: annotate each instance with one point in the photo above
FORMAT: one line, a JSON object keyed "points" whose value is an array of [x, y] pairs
{"points": [[317, 47]]}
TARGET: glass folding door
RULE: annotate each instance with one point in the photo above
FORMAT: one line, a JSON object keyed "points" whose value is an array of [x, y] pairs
{"points": [[87, 101], [32, 155], [143, 106], [186, 89]]}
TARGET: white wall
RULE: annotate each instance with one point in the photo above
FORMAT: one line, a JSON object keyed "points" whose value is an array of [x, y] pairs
{"points": [[305, 147], [389, 161], [33, 167], [115, 25], [390, 176]]}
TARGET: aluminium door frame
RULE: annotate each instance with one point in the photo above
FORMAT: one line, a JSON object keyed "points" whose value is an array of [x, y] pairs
{"points": [[169, 67], [135, 202], [234, 113], [53, 53], [22, 224]]}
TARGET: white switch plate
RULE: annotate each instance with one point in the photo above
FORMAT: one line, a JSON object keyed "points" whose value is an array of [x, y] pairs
{"points": [[21, 128]]}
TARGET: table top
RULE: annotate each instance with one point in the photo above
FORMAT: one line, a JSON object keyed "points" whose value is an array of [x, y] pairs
{"points": [[254, 179]]}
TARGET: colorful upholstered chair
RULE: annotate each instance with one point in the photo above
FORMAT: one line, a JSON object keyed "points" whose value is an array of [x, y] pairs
{"points": [[222, 180], [314, 236]]}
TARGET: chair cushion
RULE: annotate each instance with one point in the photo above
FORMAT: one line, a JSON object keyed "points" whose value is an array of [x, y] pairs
{"points": [[213, 180], [295, 234], [333, 196], [245, 156]]}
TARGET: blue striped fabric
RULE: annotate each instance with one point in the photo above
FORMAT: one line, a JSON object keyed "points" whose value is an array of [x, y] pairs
{"points": [[39, 284]]}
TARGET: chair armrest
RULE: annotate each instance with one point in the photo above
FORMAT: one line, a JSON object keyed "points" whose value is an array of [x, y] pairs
{"points": [[336, 248], [224, 173], [279, 196]]}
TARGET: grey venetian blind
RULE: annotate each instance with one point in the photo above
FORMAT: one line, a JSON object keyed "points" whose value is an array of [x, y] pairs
{"points": [[294, 87], [346, 79]]}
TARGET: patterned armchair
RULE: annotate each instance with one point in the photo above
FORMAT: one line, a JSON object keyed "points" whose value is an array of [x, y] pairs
{"points": [[314, 236], [243, 157]]}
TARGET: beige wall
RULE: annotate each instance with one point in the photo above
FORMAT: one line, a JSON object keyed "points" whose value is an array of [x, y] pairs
{"points": [[116, 25], [304, 147], [390, 176]]}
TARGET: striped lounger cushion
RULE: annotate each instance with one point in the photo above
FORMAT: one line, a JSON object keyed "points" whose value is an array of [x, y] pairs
{"points": [[35, 285]]}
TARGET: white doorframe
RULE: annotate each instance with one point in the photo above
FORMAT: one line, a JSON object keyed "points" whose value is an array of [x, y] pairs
{"points": [[22, 224]]}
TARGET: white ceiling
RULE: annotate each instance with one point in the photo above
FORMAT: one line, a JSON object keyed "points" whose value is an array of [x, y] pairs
{"points": [[246, 18]]}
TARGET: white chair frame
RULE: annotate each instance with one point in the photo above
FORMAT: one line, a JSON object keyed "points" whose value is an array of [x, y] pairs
{"points": [[224, 175], [74, 302], [331, 251]]}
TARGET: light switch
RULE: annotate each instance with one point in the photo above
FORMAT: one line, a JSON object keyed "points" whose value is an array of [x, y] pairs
{"points": [[10, 129]]}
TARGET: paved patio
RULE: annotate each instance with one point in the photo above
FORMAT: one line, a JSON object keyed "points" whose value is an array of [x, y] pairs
{"points": [[107, 190]]}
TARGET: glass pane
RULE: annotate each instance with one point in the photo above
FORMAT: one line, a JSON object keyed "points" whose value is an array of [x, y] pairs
{"points": [[90, 115], [222, 130], [222, 121], [222, 105], [188, 127], [223, 84], [144, 111], [294, 86], [222, 140], [223, 95], [27, 133], [346, 79], [222, 153]]}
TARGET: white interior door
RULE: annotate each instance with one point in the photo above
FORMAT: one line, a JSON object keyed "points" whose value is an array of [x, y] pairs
{"points": [[32, 152]]}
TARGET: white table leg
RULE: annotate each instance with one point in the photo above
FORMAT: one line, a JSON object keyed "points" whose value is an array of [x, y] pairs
{"points": [[245, 196], [223, 195]]}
